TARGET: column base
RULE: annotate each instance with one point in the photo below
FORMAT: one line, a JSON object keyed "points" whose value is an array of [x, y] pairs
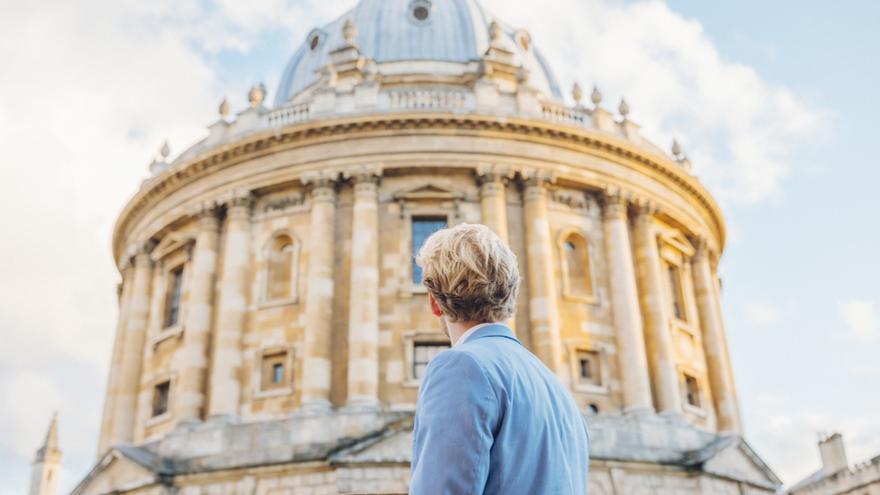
{"points": [[639, 412], [362, 404], [673, 417], [314, 408], [224, 419]]}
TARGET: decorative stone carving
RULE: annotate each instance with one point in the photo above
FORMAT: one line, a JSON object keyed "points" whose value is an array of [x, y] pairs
{"points": [[256, 95], [283, 203]]}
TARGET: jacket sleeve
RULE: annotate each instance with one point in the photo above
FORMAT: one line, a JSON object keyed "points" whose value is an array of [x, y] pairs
{"points": [[456, 415]]}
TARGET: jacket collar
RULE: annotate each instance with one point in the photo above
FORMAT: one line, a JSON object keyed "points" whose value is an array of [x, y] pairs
{"points": [[494, 330]]}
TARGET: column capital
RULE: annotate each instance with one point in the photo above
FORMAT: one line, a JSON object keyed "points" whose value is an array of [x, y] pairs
{"points": [[537, 178], [239, 207], [139, 254], [614, 205], [645, 211], [365, 179], [488, 173], [322, 184], [208, 215]]}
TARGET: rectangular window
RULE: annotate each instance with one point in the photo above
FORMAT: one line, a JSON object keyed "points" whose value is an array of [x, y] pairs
{"points": [[160, 398], [692, 390], [675, 290], [274, 371], [172, 296], [423, 353], [422, 228], [589, 369]]}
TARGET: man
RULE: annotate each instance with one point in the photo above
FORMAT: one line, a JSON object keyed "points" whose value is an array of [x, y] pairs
{"points": [[491, 418]]}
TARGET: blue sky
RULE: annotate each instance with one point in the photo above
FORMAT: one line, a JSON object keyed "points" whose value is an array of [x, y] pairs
{"points": [[774, 101]]}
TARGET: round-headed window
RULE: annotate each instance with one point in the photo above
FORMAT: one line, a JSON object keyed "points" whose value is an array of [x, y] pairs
{"points": [[314, 42]]}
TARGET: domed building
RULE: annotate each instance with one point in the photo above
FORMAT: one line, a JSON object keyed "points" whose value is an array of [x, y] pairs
{"points": [[273, 328]]}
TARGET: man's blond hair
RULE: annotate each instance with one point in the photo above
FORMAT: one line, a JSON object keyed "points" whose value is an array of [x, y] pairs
{"points": [[471, 273]]}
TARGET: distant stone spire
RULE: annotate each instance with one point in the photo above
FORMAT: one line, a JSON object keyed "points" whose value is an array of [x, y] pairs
{"points": [[47, 463]]}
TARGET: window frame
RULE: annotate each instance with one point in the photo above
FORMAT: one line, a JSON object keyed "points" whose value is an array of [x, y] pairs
{"points": [[575, 350], [591, 247], [410, 341], [412, 248], [265, 276], [287, 387], [703, 398], [173, 253]]}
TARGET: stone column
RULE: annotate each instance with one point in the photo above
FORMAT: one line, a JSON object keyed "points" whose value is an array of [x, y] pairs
{"points": [[714, 343], [543, 301], [316, 378], [363, 317], [493, 208], [655, 307], [631, 353], [116, 359], [231, 311], [191, 385], [493, 201], [131, 357]]}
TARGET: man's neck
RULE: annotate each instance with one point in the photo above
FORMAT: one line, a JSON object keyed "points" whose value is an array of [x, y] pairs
{"points": [[457, 329]]}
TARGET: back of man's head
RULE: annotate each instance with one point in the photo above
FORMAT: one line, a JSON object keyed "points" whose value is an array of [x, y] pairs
{"points": [[471, 273]]}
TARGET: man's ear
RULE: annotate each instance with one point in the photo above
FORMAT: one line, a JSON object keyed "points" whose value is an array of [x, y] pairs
{"points": [[435, 308]]}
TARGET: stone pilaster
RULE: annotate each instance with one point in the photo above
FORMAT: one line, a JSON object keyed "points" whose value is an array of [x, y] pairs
{"points": [[192, 383], [231, 311], [116, 359], [363, 318], [493, 200], [316, 378], [655, 308], [543, 300], [131, 358], [715, 343], [631, 352]]}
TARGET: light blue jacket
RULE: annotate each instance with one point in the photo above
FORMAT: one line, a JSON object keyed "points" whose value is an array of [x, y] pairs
{"points": [[491, 418]]}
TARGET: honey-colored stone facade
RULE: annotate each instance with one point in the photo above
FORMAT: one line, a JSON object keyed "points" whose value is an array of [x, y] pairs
{"points": [[208, 371]]}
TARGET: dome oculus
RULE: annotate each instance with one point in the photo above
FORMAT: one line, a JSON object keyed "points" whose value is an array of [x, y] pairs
{"points": [[420, 10]]}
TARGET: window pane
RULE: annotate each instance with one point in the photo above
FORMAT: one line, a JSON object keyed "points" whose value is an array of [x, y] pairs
{"points": [[172, 296], [676, 292], [278, 373], [160, 398], [423, 353], [589, 367], [422, 228]]}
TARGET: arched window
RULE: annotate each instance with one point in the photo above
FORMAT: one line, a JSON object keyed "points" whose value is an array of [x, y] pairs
{"points": [[578, 277], [280, 268]]}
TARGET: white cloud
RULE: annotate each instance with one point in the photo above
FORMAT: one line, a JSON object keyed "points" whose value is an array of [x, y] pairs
{"points": [[761, 314], [789, 435], [861, 318], [89, 90], [735, 126]]}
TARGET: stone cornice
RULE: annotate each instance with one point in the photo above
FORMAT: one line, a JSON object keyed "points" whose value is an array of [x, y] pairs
{"points": [[614, 148]]}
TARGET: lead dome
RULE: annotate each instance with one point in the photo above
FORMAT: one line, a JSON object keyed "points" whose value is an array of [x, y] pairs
{"points": [[455, 32]]}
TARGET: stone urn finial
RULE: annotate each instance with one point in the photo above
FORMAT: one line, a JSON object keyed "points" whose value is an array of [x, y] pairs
{"points": [[224, 108], [676, 149], [577, 93], [623, 108], [257, 94], [495, 32], [165, 150], [596, 96], [349, 31]]}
